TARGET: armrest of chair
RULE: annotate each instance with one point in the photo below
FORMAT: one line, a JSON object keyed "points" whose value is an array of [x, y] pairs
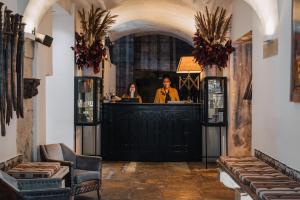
{"points": [[62, 162], [92, 163]]}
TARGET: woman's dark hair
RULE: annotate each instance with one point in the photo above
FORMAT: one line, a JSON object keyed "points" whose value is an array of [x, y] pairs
{"points": [[128, 90]]}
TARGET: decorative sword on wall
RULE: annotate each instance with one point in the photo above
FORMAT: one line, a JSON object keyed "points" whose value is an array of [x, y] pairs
{"points": [[12, 38]]}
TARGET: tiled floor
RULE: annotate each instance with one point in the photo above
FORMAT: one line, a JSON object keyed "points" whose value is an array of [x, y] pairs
{"points": [[160, 181]]}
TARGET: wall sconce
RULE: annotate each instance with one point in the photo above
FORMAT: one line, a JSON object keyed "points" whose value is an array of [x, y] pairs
{"points": [[270, 46], [43, 39], [268, 38]]}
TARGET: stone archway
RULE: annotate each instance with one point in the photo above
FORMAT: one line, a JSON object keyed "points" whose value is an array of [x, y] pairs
{"points": [[181, 25], [161, 13]]}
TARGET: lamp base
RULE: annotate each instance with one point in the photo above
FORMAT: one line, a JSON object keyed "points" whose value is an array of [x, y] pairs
{"points": [[189, 82]]}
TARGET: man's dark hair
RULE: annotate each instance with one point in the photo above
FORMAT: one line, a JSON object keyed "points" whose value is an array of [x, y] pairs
{"points": [[166, 76]]}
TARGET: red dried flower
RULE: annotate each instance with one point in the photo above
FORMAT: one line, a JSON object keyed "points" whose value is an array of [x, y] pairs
{"points": [[212, 54], [86, 56]]}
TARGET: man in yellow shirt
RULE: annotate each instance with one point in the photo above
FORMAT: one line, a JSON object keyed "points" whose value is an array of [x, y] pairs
{"points": [[167, 93]]}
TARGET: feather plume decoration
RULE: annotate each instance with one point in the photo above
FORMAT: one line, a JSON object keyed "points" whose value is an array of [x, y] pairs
{"points": [[95, 24], [212, 45]]}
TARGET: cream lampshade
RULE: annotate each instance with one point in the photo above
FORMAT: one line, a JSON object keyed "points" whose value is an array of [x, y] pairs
{"points": [[187, 65]]}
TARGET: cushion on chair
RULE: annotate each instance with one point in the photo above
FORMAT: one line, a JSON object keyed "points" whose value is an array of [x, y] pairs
{"points": [[54, 152], [83, 175]]}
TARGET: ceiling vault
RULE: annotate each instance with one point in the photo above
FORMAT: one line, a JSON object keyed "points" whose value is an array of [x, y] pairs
{"points": [[167, 16]]}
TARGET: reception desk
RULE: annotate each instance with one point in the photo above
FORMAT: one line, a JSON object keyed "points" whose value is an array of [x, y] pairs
{"points": [[151, 132]]}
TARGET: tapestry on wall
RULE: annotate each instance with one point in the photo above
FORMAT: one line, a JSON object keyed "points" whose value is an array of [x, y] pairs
{"points": [[240, 98], [148, 53]]}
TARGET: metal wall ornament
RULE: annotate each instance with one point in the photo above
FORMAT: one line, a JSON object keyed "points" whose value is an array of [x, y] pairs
{"points": [[12, 40], [31, 87]]}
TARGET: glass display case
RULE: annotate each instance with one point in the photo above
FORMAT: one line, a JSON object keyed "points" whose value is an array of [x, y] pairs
{"points": [[87, 115], [214, 94], [87, 100]]}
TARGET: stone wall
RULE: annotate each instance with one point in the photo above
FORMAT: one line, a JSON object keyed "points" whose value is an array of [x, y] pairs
{"points": [[240, 115], [25, 125]]}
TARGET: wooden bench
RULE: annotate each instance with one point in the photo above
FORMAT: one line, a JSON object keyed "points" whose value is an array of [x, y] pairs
{"points": [[262, 177]]}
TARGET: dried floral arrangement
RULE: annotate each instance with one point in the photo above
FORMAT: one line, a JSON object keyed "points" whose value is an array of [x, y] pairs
{"points": [[211, 43], [89, 49]]}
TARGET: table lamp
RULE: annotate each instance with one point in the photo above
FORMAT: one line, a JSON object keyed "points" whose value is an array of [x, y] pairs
{"points": [[187, 65]]}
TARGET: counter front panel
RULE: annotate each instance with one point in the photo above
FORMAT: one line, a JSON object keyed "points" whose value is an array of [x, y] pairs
{"points": [[151, 132]]}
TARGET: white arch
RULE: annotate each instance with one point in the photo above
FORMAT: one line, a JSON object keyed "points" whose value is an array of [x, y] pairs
{"points": [[163, 14], [35, 11], [140, 27], [267, 11]]}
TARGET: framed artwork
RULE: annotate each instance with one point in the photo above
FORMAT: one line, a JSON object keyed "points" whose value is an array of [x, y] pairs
{"points": [[295, 69]]}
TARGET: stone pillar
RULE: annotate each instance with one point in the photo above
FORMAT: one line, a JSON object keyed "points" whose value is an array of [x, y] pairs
{"points": [[240, 109], [25, 125]]}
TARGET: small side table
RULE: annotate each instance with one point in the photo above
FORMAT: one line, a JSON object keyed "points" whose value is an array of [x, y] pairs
{"points": [[55, 180]]}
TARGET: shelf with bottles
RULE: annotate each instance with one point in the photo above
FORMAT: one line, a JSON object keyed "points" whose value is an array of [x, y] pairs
{"points": [[87, 100]]}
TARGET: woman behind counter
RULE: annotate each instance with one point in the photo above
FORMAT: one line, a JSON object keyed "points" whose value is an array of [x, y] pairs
{"points": [[132, 93]]}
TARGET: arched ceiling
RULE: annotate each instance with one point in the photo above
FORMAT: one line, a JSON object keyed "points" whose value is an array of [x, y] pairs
{"points": [[175, 17], [267, 11], [35, 11]]}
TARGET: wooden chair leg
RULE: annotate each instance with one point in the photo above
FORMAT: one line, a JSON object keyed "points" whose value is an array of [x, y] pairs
{"points": [[98, 194]]}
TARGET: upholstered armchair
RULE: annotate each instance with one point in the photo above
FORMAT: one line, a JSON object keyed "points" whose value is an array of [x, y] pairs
{"points": [[85, 171]]}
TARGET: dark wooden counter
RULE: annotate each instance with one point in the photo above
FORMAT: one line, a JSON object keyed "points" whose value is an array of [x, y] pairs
{"points": [[151, 132]]}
